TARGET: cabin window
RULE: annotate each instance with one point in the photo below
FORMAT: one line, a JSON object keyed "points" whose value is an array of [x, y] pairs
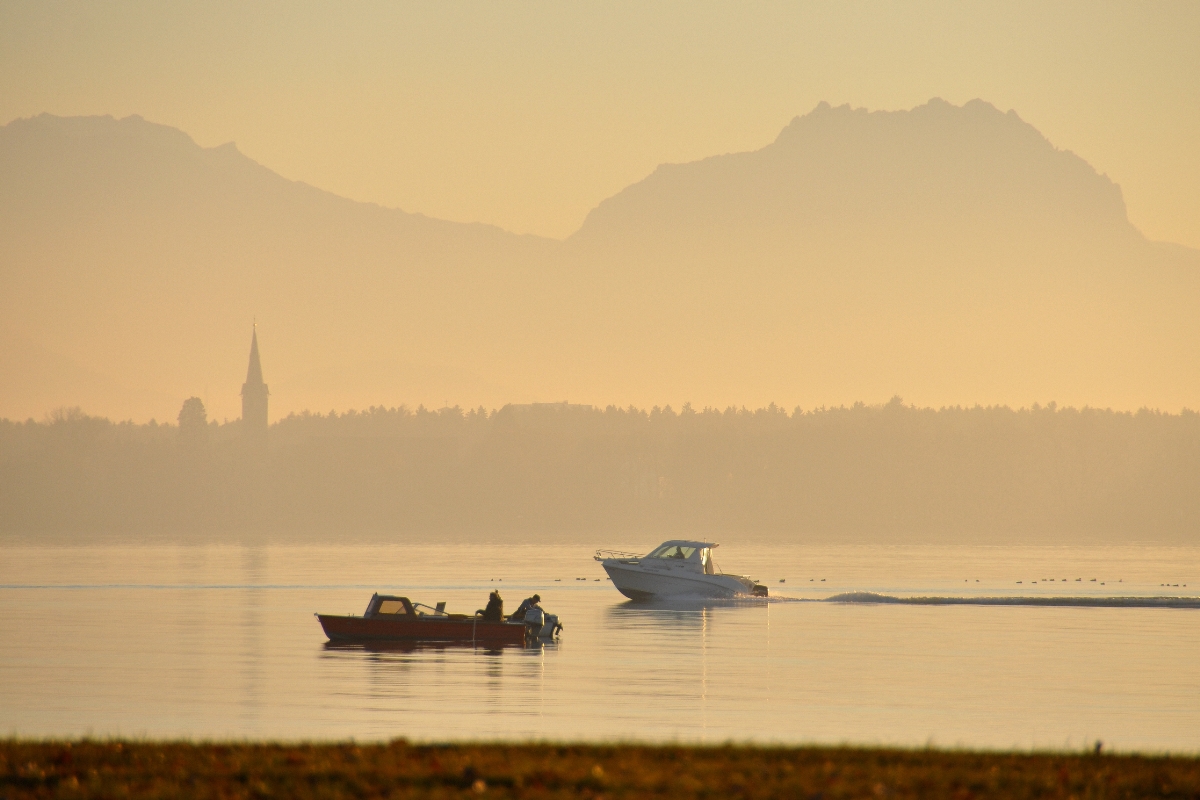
{"points": [[673, 551], [391, 607]]}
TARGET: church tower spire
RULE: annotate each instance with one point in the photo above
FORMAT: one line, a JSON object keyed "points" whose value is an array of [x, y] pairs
{"points": [[254, 394]]}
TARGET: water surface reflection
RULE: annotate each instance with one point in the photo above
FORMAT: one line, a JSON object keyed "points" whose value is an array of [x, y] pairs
{"points": [[221, 642]]}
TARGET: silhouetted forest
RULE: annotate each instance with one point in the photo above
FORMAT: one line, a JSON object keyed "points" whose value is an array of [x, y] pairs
{"points": [[887, 473]]}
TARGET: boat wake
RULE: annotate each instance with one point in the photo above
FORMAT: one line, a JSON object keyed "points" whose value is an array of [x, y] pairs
{"points": [[1081, 602]]}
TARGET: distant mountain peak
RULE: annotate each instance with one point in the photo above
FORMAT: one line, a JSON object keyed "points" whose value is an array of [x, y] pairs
{"points": [[935, 109], [132, 126], [936, 166]]}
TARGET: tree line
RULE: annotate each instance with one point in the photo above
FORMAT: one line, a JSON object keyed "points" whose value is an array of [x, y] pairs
{"points": [[864, 473]]}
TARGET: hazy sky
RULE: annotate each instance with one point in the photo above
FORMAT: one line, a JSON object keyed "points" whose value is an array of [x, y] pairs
{"points": [[526, 115]]}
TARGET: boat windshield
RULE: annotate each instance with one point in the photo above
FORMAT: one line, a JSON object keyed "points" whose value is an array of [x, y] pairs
{"points": [[672, 551], [391, 607]]}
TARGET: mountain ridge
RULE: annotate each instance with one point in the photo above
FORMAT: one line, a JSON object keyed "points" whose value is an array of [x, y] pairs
{"points": [[136, 252], [935, 159], [848, 259], [136, 127]]}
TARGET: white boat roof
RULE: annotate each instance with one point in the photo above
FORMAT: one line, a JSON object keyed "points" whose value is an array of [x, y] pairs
{"points": [[686, 543]]}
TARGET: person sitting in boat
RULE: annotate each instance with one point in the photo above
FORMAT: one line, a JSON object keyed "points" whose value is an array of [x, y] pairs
{"points": [[495, 608], [523, 609]]}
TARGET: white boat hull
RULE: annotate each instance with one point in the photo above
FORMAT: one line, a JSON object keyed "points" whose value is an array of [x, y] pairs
{"points": [[645, 583]]}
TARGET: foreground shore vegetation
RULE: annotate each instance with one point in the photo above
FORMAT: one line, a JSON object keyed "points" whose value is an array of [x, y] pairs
{"points": [[134, 769]]}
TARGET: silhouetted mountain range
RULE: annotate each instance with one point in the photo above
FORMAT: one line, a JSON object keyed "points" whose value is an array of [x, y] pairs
{"points": [[936, 170], [143, 257], [949, 254]]}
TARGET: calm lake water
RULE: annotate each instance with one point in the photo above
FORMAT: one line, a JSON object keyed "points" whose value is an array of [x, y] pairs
{"points": [[220, 642]]}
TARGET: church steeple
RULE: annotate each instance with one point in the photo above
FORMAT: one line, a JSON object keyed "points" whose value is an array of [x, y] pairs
{"points": [[254, 371], [254, 394]]}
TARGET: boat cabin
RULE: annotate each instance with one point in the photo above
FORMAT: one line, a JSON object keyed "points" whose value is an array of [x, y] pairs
{"points": [[697, 555], [382, 604]]}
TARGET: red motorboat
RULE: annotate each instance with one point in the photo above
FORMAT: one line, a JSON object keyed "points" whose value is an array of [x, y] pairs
{"points": [[390, 618]]}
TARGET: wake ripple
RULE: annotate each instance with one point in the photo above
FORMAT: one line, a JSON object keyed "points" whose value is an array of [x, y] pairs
{"points": [[1081, 602]]}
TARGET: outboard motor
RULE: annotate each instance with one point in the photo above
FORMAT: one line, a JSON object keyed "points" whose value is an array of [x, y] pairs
{"points": [[541, 624]]}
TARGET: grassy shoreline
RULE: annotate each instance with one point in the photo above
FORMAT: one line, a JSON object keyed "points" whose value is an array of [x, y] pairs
{"points": [[136, 769]]}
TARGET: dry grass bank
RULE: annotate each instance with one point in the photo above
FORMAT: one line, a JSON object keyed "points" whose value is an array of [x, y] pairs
{"points": [[174, 769]]}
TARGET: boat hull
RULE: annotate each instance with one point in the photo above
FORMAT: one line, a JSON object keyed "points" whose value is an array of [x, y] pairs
{"points": [[400, 627], [644, 584]]}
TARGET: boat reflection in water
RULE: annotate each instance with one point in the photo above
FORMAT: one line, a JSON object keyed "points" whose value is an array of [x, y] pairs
{"points": [[660, 620], [415, 646], [410, 685], [680, 613]]}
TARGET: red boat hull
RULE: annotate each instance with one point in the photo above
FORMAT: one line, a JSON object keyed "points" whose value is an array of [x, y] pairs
{"points": [[392, 627]]}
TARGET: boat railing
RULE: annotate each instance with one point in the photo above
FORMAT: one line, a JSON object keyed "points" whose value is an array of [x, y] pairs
{"points": [[602, 555]]}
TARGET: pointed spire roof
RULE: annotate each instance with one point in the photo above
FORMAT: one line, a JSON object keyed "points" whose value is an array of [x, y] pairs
{"points": [[254, 376]]}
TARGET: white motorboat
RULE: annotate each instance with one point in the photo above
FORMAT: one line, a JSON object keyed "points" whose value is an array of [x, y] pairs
{"points": [[676, 567]]}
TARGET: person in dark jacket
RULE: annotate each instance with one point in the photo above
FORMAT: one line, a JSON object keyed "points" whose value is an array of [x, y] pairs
{"points": [[526, 604], [495, 608]]}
